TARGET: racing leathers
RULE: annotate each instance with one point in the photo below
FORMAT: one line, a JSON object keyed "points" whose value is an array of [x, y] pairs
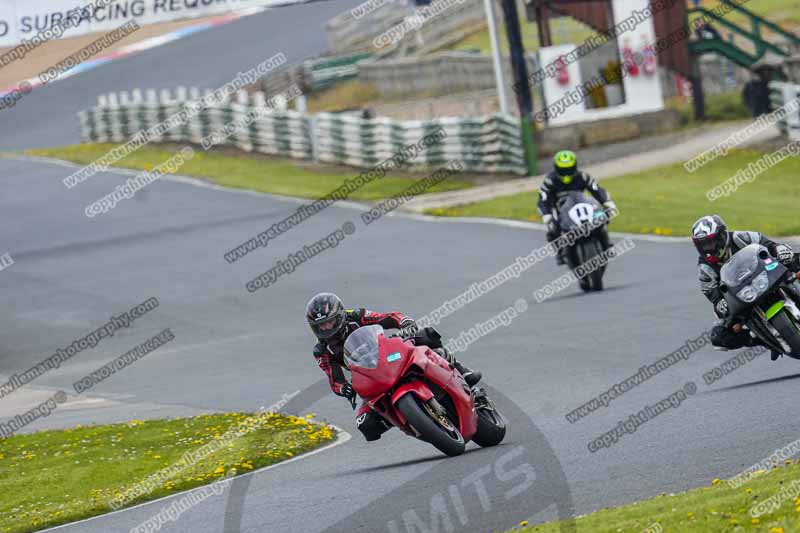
{"points": [[554, 189], [330, 358], [723, 336]]}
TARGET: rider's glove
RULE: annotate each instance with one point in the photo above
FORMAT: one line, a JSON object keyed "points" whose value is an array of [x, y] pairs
{"points": [[550, 222], [408, 328], [721, 308], [346, 390], [611, 207], [784, 253]]}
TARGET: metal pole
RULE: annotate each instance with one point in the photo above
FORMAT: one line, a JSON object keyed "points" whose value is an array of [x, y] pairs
{"points": [[521, 85], [497, 58]]}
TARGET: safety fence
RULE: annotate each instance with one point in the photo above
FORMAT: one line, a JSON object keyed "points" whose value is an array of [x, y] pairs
{"points": [[781, 93], [482, 144]]}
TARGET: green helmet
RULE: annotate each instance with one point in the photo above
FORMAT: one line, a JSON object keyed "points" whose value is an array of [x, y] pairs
{"points": [[566, 165]]}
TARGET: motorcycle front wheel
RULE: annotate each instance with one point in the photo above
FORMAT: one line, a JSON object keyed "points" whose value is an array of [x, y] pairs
{"points": [[787, 326], [437, 430], [585, 251]]}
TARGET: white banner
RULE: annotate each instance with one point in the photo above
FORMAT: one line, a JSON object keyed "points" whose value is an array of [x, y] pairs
{"points": [[8, 24], [23, 19], [35, 16]]}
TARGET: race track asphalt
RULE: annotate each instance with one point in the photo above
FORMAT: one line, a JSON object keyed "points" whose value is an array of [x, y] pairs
{"points": [[239, 350], [207, 59]]}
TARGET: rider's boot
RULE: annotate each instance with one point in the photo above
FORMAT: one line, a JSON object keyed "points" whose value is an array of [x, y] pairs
{"points": [[604, 239], [560, 257], [472, 377]]}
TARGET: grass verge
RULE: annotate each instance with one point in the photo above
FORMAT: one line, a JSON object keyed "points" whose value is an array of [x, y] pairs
{"points": [[345, 95], [719, 107], [53, 477], [564, 30], [667, 200], [715, 509], [248, 172]]}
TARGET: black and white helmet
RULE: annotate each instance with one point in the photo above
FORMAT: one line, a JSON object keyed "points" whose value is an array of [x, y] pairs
{"points": [[711, 238], [326, 315]]}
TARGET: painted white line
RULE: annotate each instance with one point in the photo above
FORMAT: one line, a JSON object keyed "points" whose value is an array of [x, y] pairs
{"points": [[188, 180], [341, 437]]}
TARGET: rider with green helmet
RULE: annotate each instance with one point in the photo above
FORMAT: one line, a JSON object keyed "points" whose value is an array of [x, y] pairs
{"points": [[563, 179]]}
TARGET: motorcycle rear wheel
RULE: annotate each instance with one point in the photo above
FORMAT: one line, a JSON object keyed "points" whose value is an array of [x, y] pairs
{"points": [[449, 442], [491, 428]]}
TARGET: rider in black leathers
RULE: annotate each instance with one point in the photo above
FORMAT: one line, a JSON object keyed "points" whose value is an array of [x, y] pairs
{"points": [[563, 179], [716, 245]]}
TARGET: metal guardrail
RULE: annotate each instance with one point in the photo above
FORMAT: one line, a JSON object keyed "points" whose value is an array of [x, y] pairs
{"points": [[481, 144]]}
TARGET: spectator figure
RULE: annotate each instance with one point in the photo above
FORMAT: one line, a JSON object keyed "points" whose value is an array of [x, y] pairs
{"points": [[756, 91], [704, 30]]}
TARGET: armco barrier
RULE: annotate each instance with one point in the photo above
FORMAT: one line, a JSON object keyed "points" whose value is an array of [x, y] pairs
{"points": [[782, 93], [485, 144], [482, 144]]}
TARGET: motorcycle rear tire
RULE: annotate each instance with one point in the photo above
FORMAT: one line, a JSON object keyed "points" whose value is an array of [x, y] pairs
{"points": [[491, 428], [430, 430]]}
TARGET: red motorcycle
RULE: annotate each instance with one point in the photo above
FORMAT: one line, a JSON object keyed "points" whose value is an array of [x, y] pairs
{"points": [[418, 391]]}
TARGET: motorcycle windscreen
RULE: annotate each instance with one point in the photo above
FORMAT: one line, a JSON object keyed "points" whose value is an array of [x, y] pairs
{"points": [[377, 363], [577, 209], [361, 347], [741, 267]]}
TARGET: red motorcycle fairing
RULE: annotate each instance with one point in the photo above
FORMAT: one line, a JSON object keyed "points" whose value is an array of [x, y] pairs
{"points": [[373, 383], [395, 359], [437, 371]]}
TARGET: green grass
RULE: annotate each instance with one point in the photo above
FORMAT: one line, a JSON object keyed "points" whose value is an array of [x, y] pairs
{"points": [[718, 508], [783, 12], [243, 172], [342, 96], [667, 200], [570, 31], [53, 477], [719, 107]]}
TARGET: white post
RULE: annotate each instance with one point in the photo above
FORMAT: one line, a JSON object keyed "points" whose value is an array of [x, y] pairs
{"points": [[497, 58]]}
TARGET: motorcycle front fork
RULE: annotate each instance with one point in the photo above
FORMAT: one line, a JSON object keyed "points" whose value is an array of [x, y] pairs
{"points": [[794, 288]]}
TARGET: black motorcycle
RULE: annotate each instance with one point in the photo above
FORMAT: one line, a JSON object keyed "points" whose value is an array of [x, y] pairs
{"points": [[583, 217], [764, 296]]}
